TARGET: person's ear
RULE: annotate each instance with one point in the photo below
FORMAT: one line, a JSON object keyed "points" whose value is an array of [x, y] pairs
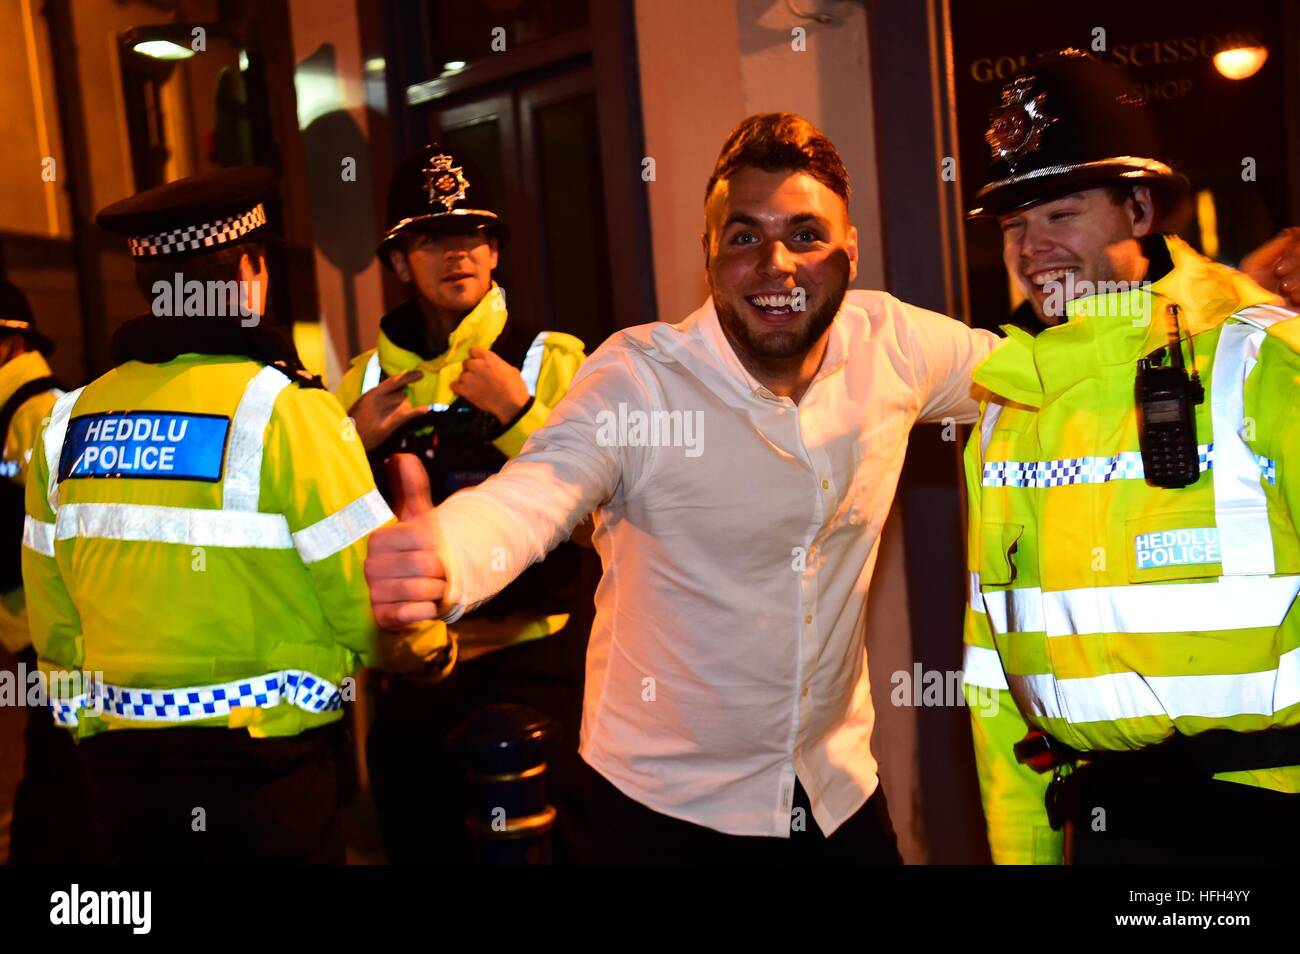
{"points": [[10, 348], [252, 270], [494, 253], [851, 245], [1143, 211], [253, 279], [401, 267]]}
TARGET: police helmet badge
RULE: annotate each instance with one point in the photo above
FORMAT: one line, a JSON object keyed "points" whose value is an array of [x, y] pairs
{"points": [[444, 182], [437, 192], [1016, 126]]}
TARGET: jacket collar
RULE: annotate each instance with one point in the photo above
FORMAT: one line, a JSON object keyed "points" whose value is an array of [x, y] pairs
{"points": [[28, 366], [156, 339], [401, 349], [1115, 329]]}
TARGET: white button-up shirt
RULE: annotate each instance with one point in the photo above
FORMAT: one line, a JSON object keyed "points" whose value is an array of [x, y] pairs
{"points": [[738, 531]]}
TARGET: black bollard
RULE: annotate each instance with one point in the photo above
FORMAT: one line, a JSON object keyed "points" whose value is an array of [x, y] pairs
{"points": [[502, 750]]}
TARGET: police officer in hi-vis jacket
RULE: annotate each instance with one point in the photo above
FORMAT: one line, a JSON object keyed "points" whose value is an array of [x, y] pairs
{"points": [[1133, 548], [457, 381], [196, 529]]}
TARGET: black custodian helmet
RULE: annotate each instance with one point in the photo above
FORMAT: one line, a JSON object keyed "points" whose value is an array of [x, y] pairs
{"points": [[436, 192], [1070, 122], [16, 316]]}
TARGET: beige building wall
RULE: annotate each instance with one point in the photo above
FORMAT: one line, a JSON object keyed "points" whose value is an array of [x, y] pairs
{"points": [[35, 212], [330, 78], [704, 66], [34, 202]]}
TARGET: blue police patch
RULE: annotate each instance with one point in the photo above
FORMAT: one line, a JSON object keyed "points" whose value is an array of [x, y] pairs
{"points": [[145, 444]]}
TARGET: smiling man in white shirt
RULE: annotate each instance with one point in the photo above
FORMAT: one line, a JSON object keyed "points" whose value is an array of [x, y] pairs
{"points": [[727, 704]]}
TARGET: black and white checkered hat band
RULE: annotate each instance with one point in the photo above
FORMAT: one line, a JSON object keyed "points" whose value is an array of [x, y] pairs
{"points": [[195, 237]]}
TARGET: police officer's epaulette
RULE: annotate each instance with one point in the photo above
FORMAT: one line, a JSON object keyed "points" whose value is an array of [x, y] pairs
{"points": [[563, 341], [300, 375], [1288, 332]]}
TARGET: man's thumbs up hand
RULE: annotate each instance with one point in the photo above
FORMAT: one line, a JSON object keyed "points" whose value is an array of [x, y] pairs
{"points": [[406, 576], [409, 484]]}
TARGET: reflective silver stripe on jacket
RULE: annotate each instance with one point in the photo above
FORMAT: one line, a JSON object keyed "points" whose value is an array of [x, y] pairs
{"points": [[1130, 695], [1240, 505]]}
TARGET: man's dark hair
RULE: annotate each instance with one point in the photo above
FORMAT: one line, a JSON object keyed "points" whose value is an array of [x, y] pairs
{"points": [[1121, 193], [776, 141], [219, 265]]}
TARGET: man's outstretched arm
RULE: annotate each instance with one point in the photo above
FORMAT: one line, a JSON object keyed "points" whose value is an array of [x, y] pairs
{"points": [[440, 564]]}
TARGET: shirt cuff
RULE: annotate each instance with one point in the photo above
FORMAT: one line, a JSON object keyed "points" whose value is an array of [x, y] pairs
{"points": [[452, 606], [532, 416]]}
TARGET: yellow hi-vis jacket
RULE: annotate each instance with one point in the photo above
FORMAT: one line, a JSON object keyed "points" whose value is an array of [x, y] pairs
{"points": [[552, 361], [1108, 612], [194, 545], [17, 450]]}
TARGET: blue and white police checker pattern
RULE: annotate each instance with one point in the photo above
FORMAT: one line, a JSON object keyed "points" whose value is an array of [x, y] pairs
{"points": [[292, 686], [1092, 470]]}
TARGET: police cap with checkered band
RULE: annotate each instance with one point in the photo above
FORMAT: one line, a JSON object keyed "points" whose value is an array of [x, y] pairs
{"points": [[203, 213]]}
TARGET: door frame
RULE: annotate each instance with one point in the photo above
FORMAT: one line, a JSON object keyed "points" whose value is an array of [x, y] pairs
{"points": [[608, 45]]}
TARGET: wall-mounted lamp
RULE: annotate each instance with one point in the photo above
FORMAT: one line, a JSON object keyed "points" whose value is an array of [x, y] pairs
{"points": [[1240, 62], [162, 49]]}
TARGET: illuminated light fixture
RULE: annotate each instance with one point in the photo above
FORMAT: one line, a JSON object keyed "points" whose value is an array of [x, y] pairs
{"points": [[452, 66], [162, 50], [179, 41], [243, 61], [376, 65], [1240, 62]]}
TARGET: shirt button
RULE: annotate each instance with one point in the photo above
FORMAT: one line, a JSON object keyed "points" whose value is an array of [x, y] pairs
{"points": [[808, 618], [826, 485], [805, 692]]}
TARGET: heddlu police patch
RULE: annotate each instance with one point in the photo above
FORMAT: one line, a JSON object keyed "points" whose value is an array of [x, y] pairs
{"points": [[145, 444], [1177, 547]]}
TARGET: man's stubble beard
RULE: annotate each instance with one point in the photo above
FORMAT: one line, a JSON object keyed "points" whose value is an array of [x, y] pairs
{"points": [[781, 346]]}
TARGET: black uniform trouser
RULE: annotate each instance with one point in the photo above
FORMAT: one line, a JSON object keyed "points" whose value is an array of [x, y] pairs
{"points": [[1117, 818], [623, 831], [418, 783], [52, 819], [217, 796]]}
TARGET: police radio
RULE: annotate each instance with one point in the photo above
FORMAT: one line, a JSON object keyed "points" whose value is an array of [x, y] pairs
{"points": [[1167, 395]]}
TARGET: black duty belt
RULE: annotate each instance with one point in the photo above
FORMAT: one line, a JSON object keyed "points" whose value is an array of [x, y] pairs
{"points": [[1181, 757]]}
